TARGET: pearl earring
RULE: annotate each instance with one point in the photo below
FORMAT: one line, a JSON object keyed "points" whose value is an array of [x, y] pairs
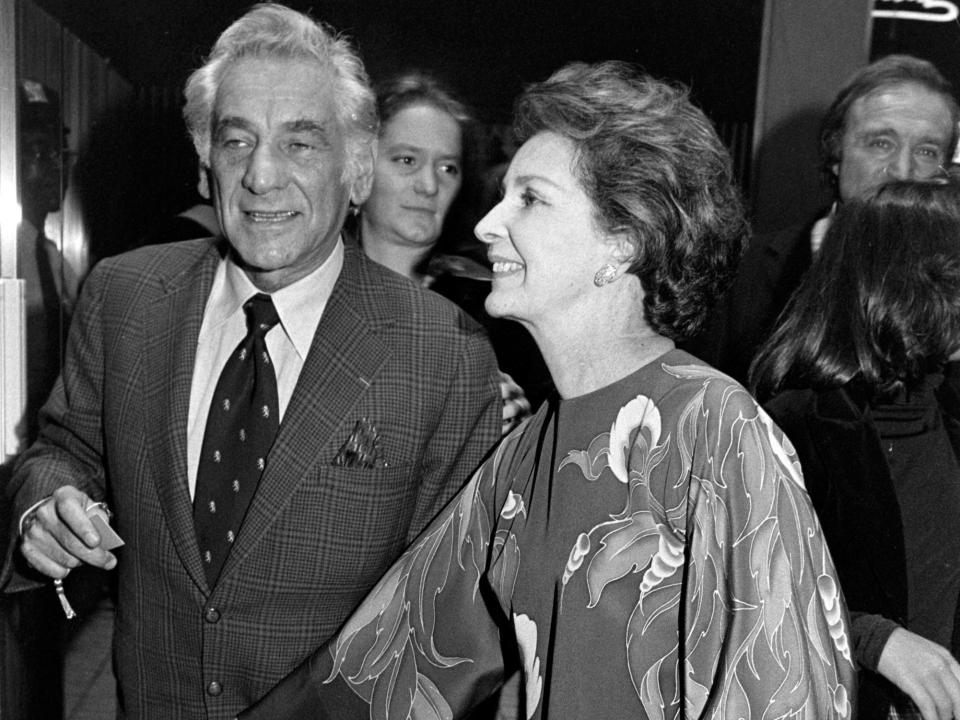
{"points": [[605, 275]]}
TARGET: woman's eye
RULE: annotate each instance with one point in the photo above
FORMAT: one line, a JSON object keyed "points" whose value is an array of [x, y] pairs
{"points": [[527, 198]]}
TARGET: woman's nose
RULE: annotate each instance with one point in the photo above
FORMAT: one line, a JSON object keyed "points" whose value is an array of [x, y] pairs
{"points": [[490, 227], [426, 182]]}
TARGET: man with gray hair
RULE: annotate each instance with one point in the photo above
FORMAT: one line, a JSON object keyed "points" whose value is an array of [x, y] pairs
{"points": [[894, 119], [270, 416]]}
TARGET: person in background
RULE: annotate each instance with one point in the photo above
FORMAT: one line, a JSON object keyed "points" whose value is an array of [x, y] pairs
{"points": [[417, 176], [857, 375], [895, 119], [645, 542], [418, 173], [50, 284], [271, 416]]}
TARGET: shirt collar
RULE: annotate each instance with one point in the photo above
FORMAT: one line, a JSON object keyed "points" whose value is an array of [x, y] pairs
{"points": [[300, 305], [819, 229]]}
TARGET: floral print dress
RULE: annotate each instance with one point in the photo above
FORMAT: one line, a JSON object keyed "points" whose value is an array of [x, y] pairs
{"points": [[647, 550]]}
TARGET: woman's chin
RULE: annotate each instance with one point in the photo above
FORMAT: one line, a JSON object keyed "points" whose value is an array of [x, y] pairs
{"points": [[500, 305]]}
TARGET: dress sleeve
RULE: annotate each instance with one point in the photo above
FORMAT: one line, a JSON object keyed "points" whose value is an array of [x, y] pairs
{"points": [[425, 642], [766, 631]]}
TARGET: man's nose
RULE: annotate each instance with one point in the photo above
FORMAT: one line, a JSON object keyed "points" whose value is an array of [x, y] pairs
{"points": [[266, 170], [903, 166]]}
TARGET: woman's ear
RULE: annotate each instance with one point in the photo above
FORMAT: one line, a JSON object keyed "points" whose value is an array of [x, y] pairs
{"points": [[623, 248]]}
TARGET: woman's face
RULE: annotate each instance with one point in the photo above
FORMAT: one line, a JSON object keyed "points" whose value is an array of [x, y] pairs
{"points": [[417, 176], [543, 241]]}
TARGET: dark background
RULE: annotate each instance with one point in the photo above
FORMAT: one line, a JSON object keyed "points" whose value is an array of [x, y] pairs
{"points": [[488, 48], [139, 167]]}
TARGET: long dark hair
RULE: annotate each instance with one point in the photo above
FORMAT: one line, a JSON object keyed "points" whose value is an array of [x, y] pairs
{"points": [[881, 302]]}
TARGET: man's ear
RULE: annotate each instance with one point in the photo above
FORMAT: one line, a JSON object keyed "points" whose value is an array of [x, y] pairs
{"points": [[203, 181], [363, 181]]}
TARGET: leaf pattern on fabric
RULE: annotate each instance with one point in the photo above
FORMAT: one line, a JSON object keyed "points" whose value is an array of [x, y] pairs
{"points": [[690, 549], [526, 631], [748, 534], [381, 648]]}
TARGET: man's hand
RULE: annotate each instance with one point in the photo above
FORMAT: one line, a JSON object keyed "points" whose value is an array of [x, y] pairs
{"points": [[923, 670], [58, 536]]}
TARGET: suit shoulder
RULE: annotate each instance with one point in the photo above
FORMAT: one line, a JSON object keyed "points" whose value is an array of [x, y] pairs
{"points": [[775, 243], [416, 305], [171, 258]]}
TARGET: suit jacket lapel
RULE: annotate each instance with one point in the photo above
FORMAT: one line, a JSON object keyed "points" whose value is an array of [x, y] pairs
{"points": [[170, 347], [345, 357]]}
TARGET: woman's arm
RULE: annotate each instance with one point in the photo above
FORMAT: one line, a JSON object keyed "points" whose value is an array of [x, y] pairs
{"points": [[427, 636], [767, 632]]}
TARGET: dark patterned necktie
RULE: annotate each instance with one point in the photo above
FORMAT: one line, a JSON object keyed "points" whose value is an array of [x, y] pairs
{"points": [[241, 427]]}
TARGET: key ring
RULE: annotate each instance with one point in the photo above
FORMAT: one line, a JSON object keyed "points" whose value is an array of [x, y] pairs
{"points": [[62, 597]]}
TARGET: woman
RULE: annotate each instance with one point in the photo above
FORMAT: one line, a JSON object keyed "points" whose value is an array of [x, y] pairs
{"points": [[418, 173], [643, 543], [417, 177], [857, 368]]}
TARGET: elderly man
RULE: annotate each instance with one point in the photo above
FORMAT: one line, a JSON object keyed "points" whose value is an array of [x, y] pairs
{"points": [[272, 418], [894, 119]]}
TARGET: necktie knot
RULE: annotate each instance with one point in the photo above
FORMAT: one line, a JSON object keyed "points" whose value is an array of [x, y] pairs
{"points": [[261, 314]]}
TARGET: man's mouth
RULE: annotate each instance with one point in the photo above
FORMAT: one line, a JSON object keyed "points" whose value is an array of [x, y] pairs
{"points": [[264, 216]]}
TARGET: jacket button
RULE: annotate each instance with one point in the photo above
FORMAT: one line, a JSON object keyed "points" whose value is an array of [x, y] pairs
{"points": [[214, 688], [211, 615]]}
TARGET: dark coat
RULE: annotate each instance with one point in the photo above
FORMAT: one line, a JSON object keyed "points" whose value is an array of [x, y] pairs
{"points": [[848, 478], [316, 537], [768, 273]]}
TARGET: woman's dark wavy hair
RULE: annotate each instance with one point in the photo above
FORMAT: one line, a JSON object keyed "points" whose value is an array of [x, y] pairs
{"points": [[880, 303], [655, 169]]}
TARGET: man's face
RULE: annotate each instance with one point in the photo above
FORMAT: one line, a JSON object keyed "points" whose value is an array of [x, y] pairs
{"points": [[277, 162], [40, 169], [897, 132]]}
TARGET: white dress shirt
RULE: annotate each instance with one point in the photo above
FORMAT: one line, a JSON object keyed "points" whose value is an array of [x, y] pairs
{"points": [[299, 305]]}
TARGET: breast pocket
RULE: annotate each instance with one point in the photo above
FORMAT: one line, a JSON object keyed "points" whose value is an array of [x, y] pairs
{"points": [[361, 517]]}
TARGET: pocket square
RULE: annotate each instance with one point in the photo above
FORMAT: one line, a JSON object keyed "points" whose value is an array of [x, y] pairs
{"points": [[362, 448]]}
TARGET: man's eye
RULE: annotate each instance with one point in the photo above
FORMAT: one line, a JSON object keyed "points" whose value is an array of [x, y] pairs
{"points": [[233, 143], [299, 147], [450, 169], [928, 153], [406, 160], [880, 144]]}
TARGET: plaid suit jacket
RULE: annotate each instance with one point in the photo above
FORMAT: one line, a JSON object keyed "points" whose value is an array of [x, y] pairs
{"points": [[317, 536]]}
